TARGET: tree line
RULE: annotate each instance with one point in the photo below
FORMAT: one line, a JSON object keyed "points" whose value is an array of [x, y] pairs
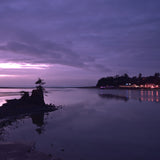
{"points": [[123, 79]]}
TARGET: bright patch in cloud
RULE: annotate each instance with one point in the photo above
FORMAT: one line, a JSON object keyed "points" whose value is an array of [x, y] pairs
{"points": [[7, 75], [22, 66]]}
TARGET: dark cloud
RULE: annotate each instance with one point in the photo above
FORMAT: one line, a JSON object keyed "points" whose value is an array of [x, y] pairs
{"points": [[107, 35]]}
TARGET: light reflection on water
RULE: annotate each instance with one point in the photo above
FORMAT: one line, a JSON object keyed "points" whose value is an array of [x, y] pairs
{"points": [[94, 124], [141, 95]]}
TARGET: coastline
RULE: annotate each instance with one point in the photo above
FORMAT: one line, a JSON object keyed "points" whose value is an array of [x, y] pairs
{"points": [[130, 88], [85, 87]]}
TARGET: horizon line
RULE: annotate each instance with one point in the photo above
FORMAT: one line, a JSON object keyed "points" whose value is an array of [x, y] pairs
{"points": [[48, 86]]}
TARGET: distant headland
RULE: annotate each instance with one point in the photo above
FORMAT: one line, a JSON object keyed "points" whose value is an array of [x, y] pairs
{"points": [[124, 81]]}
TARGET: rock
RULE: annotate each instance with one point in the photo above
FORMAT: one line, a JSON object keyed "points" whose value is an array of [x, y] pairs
{"points": [[27, 104], [37, 96]]}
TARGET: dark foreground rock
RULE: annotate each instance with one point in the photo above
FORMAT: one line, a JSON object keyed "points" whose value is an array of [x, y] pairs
{"points": [[17, 110], [27, 104]]}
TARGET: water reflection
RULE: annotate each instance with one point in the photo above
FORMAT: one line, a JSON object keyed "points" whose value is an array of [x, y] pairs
{"points": [[37, 119], [95, 124], [112, 96], [149, 96], [125, 95]]}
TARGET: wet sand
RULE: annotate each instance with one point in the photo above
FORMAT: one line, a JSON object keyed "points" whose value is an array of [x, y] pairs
{"points": [[19, 151]]}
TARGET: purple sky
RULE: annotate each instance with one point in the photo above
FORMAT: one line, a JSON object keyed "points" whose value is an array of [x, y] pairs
{"points": [[74, 43]]}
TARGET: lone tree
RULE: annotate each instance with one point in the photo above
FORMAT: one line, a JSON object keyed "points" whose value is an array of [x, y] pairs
{"points": [[37, 96], [40, 82]]}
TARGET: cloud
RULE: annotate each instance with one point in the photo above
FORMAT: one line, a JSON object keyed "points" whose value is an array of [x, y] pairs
{"points": [[102, 35], [44, 52]]}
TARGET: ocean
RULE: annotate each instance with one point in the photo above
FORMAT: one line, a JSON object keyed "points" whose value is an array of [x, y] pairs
{"points": [[91, 124]]}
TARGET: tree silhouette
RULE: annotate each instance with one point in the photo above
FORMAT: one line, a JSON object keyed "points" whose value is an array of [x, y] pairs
{"points": [[124, 79], [140, 75], [40, 82]]}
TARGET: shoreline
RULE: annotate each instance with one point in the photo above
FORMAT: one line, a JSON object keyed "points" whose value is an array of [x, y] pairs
{"points": [[130, 88], [86, 87]]}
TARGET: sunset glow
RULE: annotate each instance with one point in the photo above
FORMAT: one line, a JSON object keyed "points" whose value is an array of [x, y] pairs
{"points": [[7, 75], [22, 66]]}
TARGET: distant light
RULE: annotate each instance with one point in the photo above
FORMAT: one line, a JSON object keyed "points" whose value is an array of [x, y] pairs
{"points": [[22, 66]]}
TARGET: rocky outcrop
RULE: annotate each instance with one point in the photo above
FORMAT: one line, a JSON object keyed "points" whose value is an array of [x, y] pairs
{"points": [[37, 96], [26, 104]]}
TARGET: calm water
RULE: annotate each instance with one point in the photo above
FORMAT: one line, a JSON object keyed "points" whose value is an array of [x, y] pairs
{"points": [[92, 124]]}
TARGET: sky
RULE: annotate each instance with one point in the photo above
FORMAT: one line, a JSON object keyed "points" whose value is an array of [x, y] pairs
{"points": [[74, 43]]}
